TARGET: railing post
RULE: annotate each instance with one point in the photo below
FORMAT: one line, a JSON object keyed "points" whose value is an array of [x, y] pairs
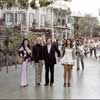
{"points": [[15, 61], [0, 64], [7, 63]]}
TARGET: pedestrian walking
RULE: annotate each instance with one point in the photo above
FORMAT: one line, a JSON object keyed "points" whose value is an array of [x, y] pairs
{"points": [[79, 55], [37, 56], [25, 53], [92, 46], [68, 60], [86, 48], [50, 61]]}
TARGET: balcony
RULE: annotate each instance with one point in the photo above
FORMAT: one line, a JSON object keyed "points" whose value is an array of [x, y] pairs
{"points": [[60, 24]]}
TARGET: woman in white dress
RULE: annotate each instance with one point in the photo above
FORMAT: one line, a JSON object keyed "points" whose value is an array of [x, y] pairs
{"points": [[68, 60], [25, 53]]}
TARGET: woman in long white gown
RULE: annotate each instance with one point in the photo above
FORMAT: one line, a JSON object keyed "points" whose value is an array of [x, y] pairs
{"points": [[25, 54], [68, 60]]}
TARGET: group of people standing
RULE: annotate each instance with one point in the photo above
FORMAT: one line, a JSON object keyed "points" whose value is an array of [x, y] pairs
{"points": [[43, 53]]}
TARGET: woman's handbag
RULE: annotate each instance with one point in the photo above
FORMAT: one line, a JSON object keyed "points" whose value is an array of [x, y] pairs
{"points": [[19, 59]]}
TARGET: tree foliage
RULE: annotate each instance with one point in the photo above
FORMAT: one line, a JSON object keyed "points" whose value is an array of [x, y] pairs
{"points": [[45, 2], [10, 3], [32, 4], [68, 0], [2, 2], [23, 3], [87, 25]]}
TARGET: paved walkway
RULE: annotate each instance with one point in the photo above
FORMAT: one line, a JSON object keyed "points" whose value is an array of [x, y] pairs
{"points": [[85, 84]]}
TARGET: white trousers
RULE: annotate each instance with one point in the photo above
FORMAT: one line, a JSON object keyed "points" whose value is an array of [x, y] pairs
{"points": [[38, 72], [24, 73]]}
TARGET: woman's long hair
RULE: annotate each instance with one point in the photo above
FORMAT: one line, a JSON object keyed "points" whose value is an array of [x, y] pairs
{"points": [[71, 43], [22, 45]]}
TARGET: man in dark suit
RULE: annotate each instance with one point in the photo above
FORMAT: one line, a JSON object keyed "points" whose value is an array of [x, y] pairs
{"points": [[50, 61]]}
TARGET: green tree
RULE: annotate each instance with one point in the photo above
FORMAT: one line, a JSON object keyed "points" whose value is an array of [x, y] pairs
{"points": [[68, 0], [23, 4], [87, 25], [10, 3], [44, 3], [32, 4], [2, 2]]}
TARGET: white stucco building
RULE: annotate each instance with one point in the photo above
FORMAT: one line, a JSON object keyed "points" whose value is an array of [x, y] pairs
{"points": [[55, 19]]}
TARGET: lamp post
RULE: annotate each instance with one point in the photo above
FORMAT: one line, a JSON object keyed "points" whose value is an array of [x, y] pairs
{"points": [[99, 12], [38, 10], [27, 19], [52, 23], [68, 30], [76, 26]]}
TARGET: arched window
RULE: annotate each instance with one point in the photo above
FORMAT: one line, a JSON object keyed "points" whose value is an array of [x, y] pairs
{"points": [[63, 22]]}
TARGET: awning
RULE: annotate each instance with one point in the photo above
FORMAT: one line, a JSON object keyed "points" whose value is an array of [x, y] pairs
{"points": [[39, 30]]}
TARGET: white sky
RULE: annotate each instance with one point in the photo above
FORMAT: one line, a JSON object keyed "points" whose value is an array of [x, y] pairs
{"points": [[86, 6]]}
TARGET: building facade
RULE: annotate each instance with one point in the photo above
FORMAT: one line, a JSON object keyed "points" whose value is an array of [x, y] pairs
{"points": [[40, 18]]}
